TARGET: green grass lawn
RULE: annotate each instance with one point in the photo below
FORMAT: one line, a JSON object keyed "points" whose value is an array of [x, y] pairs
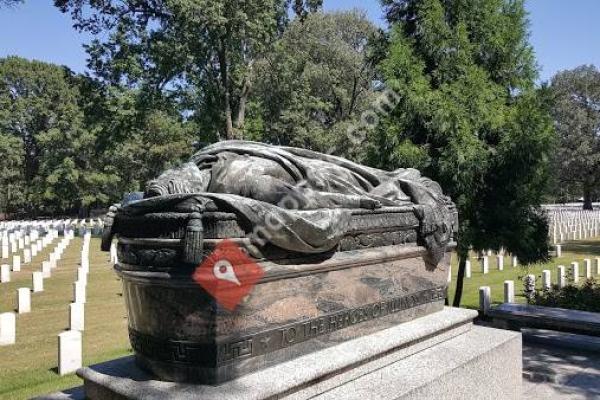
{"points": [[28, 368], [572, 251]]}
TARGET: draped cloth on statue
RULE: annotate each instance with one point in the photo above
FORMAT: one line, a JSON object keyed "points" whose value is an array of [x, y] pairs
{"points": [[302, 198]]}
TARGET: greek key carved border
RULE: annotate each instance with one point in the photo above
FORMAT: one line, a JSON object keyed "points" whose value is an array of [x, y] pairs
{"points": [[214, 354]]}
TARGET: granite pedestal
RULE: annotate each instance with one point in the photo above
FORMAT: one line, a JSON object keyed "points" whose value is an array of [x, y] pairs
{"points": [[439, 356]]}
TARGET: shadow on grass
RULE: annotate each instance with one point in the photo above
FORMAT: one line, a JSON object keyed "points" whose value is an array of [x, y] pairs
{"points": [[583, 247]]}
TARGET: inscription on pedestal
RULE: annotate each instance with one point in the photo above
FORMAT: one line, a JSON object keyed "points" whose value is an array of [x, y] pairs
{"points": [[203, 354]]}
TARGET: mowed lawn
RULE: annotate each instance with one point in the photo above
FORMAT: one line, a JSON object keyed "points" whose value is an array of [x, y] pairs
{"points": [[571, 251], [28, 368]]}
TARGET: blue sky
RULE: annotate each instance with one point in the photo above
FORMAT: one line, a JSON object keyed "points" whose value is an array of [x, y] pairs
{"points": [[564, 33]]}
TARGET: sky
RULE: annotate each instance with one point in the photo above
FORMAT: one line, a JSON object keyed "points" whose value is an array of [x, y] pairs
{"points": [[564, 33]]}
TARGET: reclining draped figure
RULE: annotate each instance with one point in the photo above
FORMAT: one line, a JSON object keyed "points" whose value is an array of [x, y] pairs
{"points": [[334, 238]]}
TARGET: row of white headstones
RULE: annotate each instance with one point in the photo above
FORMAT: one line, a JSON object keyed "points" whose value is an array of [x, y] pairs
{"points": [[70, 341], [485, 292], [572, 225], [484, 262]]}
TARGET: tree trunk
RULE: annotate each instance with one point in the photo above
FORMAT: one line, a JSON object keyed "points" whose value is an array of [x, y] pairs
{"points": [[228, 120], [83, 211], [587, 197], [241, 115], [226, 93], [463, 255]]}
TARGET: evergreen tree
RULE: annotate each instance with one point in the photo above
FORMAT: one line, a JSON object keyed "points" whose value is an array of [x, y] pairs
{"points": [[469, 116]]}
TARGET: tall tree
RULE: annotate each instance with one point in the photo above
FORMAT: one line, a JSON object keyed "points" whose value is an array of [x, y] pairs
{"points": [[316, 82], [576, 112], [200, 52], [469, 116], [40, 108]]}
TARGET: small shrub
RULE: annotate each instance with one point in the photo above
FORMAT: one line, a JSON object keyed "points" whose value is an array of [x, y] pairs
{"points": [[584, 298]]}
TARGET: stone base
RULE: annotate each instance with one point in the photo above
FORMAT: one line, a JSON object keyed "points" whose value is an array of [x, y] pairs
{"points": [[179, 333], [440, 356]]}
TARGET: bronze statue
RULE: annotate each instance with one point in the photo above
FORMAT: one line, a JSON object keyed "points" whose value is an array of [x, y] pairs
{"points": [[309, 193]]}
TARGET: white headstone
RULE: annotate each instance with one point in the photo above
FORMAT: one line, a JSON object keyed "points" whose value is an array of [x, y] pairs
{"points": [[500, 262], [26, 256], [4, 250], [46, 270], [16, 263], [33, 251], [587, 267], [82, 275], [8, 328], [37, 278], [515, 261], [468, 269], [4, 273], [69, 352], [77, 316], [561, 276], [509, 291], [113, 253], [85, 264], [597, 266], [575, 271], [558, 250], [485, 264], [485, 299], [52, 261], [78, 292], [23, 300], [546, 279], [58, 253]]}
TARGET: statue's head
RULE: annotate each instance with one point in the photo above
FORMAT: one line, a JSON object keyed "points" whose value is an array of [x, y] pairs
{"points": [[187, 178]]}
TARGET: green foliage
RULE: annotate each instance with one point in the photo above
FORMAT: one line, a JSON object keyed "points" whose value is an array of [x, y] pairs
{"points": [[583, 298], [317, 81], [70, 143], [465, 72], [11, 173], [576, 111], [39, 110], [199, 53], [159, 142]]}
